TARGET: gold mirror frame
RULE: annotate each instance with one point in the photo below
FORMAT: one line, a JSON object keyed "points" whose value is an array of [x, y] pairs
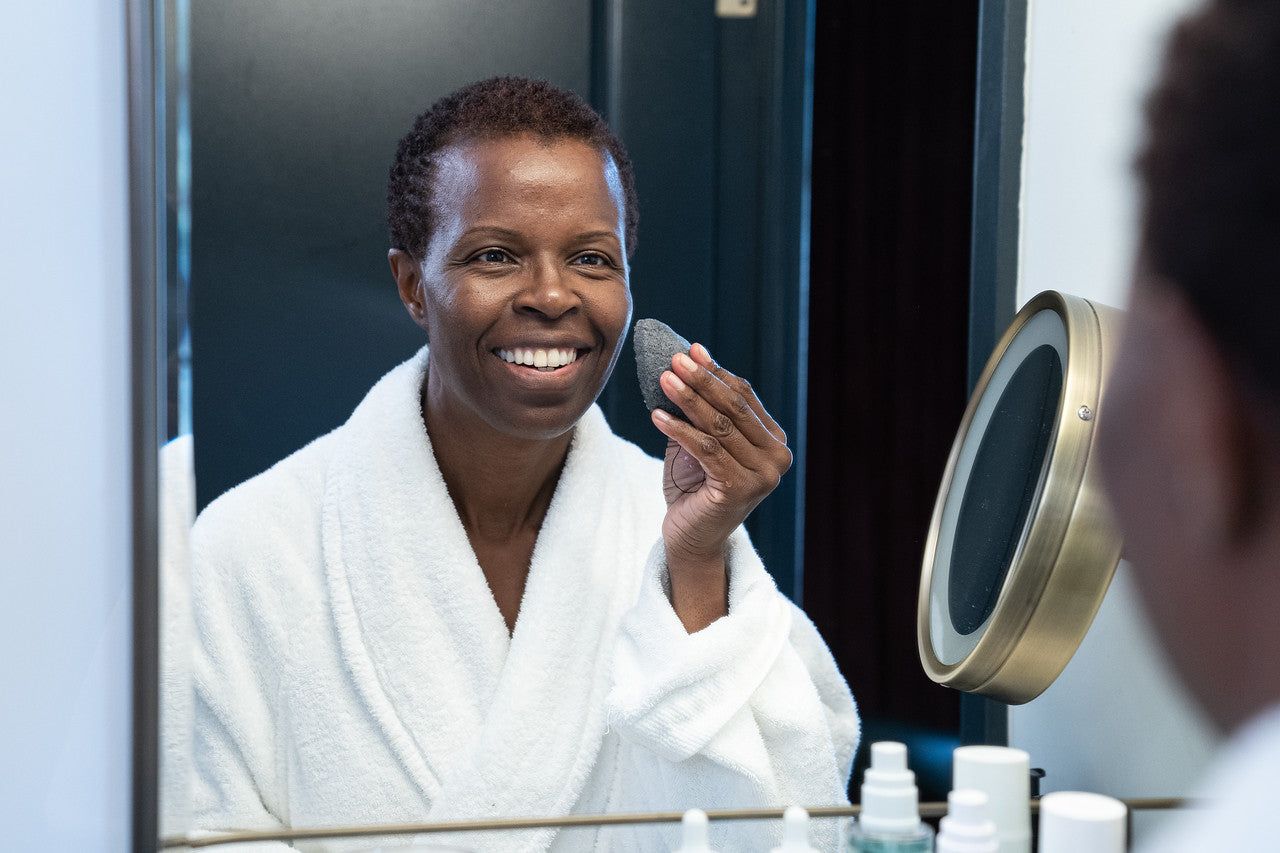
{"points": [[1068, 547]]}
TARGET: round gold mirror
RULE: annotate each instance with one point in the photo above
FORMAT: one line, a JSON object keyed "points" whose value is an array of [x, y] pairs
{"points": [[1021, 547]]}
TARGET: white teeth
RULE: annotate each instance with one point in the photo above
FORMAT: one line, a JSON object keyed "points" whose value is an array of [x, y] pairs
{"points": [[540, 358]]}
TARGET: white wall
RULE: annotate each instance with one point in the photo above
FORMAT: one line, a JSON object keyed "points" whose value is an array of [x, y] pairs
{"points": [[64, 440], [1089, 64], [1115, 722]]}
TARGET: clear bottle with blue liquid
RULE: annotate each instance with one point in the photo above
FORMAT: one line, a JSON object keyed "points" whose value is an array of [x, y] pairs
{"points": [[890, 820]]}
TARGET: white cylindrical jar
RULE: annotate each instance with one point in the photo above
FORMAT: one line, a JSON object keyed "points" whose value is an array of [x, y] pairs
{"points": [[1004, 775], [1072, 821]]}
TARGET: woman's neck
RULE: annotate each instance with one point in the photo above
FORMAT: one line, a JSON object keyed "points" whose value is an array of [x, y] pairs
{"points": [[500, 484]]}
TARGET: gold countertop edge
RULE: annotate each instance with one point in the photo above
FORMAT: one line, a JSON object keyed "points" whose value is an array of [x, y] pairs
{"points": [[499, 824], [927, 810]]}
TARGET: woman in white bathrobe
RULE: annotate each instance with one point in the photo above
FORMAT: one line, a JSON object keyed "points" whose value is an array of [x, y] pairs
{"points": [[472, 599]]}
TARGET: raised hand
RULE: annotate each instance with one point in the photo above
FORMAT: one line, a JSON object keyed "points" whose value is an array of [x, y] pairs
{"points": [[719, 467]]}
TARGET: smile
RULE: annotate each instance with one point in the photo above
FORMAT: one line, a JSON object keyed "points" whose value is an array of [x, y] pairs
{"points": [[542, 359]]}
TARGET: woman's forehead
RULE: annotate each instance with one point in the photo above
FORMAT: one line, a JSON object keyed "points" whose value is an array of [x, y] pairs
{"points": [[556, 173], [531, 154]]}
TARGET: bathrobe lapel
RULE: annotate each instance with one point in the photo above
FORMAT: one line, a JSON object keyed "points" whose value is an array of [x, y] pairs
{"points": [[547, 718], [485, 724]]}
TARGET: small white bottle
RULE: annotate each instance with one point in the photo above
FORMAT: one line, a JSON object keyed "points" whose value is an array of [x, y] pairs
{"points": [[890, 820], [795, 832], [694, 833], [966, 828]]}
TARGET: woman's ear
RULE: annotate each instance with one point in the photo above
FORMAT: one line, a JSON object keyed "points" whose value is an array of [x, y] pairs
{"points": [[1169, 438], [408, 276], [1255, 428], [1209, 419]]}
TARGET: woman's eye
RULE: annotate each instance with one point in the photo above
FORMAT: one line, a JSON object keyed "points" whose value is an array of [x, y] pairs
{"points": [[591, 259], [493, 256]]}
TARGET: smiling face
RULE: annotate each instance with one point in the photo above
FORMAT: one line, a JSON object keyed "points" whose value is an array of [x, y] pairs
{"points": [[524, 288]]}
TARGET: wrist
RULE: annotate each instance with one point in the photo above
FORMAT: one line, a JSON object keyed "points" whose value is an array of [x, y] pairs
{"points": [[699, 589]]}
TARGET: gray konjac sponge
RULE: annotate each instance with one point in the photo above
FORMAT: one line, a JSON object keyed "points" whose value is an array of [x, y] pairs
{"points": [[655, 344]]}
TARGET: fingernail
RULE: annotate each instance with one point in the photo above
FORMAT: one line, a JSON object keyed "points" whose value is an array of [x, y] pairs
{"points": [[676, 382], [686, 362]]}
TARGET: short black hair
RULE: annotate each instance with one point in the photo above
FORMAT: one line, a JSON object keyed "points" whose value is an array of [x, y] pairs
{"points": [[1209, 173], [496, 108]]}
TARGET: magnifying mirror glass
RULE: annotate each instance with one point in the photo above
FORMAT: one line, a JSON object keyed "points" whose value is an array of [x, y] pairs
{"points": [[1021, 547]]}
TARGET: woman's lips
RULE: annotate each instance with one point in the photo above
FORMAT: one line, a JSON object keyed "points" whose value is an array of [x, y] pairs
{"points": [[540, 358]]}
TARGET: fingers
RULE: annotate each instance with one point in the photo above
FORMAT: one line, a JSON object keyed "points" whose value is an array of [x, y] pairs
{"points": [[742, 387], [728, 424], [718, 402]]}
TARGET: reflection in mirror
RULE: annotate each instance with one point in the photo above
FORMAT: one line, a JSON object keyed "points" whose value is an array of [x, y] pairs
{"points": [[383, 619], [337, 680], [985, 502], [1002, 483]]}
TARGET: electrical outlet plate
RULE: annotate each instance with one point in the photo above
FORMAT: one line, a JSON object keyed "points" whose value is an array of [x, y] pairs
{"points": [[735, 8]]}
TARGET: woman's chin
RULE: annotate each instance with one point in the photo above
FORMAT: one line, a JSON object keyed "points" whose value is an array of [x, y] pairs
{"points": [[542, 424]]}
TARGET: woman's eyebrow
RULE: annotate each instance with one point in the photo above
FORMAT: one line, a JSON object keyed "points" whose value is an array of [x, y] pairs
{"points": [[490, 231], [497, 231], [602, 234]]}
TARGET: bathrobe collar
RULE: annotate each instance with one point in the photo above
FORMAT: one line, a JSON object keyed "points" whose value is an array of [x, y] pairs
{"points": [[486, 724]]}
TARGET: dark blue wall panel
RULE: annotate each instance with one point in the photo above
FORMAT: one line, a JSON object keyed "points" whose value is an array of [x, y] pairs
{"points": [[297, 106]]}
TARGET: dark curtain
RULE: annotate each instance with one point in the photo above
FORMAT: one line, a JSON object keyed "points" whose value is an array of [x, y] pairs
{"points": [[894, 95]]}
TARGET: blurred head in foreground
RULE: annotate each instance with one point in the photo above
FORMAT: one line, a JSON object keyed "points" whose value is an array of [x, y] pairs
{"points": [[1191, 438]]}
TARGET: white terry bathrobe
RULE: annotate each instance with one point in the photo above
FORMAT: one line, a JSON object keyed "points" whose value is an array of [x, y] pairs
{"points": [[353, 668]]}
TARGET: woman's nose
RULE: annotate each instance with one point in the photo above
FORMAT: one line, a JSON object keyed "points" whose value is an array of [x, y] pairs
{"points": [[548, 292]]}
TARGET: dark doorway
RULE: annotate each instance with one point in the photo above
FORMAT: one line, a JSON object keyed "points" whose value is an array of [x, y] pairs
{"points": [[893, 130]]}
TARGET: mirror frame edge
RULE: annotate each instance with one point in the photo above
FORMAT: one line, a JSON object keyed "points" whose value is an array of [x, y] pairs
{"points": [[996, 230], [146, 245]]}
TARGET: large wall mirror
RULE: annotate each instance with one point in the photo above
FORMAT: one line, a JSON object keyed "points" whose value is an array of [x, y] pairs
{"points": [[281, 119], [282, 122]]}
